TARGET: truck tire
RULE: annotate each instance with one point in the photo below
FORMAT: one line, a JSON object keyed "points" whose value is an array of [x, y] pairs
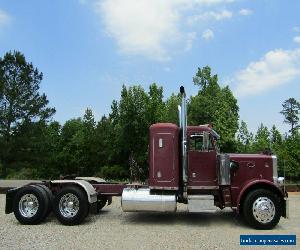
{"points": [[262, 209], [30, 205], [71, 205], [49, 196]]}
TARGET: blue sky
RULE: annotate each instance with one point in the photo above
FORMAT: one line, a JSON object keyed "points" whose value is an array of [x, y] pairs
{"points": [[88, 48]]}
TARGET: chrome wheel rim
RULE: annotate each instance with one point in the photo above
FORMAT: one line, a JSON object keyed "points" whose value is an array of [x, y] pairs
{"points": [[69, 205], [28, 205], [263, 210]]}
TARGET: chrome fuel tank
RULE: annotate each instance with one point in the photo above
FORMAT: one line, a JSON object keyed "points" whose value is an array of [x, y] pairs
{"points": [[134, 200]]}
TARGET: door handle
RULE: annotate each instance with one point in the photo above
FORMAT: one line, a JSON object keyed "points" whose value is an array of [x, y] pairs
{"points": [[194, 175], [250, 165]]}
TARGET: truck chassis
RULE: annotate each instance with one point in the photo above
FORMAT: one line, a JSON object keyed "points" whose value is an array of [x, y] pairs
{"points": [[185, 167]]}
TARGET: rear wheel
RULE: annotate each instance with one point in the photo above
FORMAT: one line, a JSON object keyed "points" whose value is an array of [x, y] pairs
{"points": [[30, 205], [262, 209], [71, 205], [49, 196]]}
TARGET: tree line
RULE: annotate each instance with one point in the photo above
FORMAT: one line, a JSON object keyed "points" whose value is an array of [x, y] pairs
{"points": [[33, 145]]}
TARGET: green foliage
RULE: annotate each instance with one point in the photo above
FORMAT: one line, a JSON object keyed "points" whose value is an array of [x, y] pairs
{"points": [[289, 156], [23, 174], [107, 151], [244, 139], [171, 109], [114, 172], [262, 139], [287, 149], [214, 105], [276, 137], [133, 122], [21, 104], [291, 110], [71, 150], [155, 104], [129, 122]]}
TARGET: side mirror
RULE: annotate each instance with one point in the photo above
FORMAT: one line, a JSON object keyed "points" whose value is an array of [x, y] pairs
{"points": [[234, 165], [205, 143]]}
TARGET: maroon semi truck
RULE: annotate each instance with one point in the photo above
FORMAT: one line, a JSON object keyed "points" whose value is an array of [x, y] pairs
{"points": [[185, 166]]}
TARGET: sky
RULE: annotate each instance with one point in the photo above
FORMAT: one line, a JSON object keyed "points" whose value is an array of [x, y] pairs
{"points": [[87, 49]]}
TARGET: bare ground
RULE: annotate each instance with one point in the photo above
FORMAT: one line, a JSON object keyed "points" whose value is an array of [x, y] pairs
{"points": [[114, 229]]}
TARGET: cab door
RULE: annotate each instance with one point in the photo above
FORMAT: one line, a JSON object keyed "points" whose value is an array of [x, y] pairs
{"points": [[202, 163]]}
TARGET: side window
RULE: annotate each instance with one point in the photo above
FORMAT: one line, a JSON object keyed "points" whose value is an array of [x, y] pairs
{"points": [[196, 142]]}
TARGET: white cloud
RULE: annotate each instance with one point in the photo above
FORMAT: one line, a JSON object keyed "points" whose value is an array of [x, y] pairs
{"points": [[245, 12], [210, 15], [189, 40], [141, 26], [297, 39], [4, 17], [154, 29], [275, 68], [208, 34]]}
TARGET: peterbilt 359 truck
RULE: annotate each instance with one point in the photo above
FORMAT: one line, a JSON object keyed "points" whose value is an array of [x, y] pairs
{"points": [[185, 166]]}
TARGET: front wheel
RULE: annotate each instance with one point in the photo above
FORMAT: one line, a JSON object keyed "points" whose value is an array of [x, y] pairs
{"points": [[71, 205], [262, 209]]}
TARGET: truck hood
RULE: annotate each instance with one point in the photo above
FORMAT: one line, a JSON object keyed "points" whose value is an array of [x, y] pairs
{"points": [[238, 157], [254, 166]]}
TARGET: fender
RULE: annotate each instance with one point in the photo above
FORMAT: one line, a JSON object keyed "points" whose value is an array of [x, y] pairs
{"points": [[96, 179], [88, 188], [252, 182]]}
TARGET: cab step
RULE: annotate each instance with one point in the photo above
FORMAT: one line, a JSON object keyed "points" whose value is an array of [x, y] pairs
{"points": [[201, 203]]}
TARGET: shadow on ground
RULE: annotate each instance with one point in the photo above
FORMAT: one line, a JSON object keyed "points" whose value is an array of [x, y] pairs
{"points": [[203, 219]]}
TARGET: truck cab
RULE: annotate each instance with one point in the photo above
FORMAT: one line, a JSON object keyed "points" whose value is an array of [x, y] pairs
{"points": [[187, 161]]}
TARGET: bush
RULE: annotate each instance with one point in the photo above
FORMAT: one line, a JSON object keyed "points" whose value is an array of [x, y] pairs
{"points": [[23, 174], [114, 172]]}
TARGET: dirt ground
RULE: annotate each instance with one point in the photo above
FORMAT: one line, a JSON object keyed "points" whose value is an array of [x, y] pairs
{"points": [[114, 229]]}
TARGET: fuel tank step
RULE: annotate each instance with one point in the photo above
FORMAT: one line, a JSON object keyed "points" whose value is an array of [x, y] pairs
{"points": [[201, 203]]}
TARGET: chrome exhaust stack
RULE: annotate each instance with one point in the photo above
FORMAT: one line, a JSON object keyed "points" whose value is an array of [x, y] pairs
{"points": [[183, 127], [179, 116]]}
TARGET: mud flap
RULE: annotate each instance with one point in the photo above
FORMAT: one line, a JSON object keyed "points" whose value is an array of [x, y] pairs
{"points": [[109, 200], [93, 208], [10, 195]]}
